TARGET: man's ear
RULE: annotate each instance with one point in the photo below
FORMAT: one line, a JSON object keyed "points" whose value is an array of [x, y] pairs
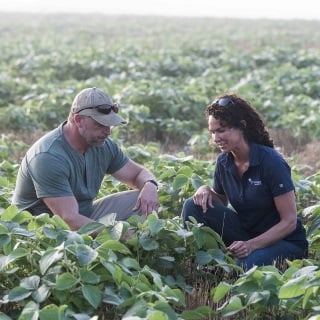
{"points": [[77, 118]]}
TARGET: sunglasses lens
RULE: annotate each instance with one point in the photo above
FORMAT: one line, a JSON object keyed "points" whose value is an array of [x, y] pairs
{"points": [[224, 102], [104, 110], [107, 109]]}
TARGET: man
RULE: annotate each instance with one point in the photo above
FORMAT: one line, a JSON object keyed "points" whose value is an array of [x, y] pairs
{"points": [[62, 172]]}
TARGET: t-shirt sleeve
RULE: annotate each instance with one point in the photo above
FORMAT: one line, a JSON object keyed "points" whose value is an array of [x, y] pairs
{"points": [[119, 159], [217, 184], [278, 175], [50, 176]]}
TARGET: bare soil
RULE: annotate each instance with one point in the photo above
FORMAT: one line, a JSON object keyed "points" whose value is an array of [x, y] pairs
{"points": [[301, 152]]}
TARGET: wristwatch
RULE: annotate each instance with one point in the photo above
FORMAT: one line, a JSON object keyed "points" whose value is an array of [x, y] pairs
{"points": [[153, 182]]}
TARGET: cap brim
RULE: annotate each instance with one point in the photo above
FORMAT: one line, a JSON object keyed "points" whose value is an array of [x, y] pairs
{"points": [[109, 120]]}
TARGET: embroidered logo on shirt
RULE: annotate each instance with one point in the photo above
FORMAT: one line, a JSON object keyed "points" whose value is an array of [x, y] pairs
{"points": [[255, 182], [281, 185]]}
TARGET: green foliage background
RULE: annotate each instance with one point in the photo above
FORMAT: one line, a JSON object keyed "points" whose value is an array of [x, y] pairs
{"points": [[163, 71]]}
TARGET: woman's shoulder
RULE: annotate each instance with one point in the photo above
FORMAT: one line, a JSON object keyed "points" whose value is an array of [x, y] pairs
{"points": [[265, 151], [269, 158]]}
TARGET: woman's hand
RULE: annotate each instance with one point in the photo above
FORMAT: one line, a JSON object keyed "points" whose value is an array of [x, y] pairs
{"points": [[241, 249], [203, 197]]}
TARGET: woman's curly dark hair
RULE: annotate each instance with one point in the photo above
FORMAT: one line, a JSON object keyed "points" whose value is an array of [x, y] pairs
{"points": [[236, 112]]}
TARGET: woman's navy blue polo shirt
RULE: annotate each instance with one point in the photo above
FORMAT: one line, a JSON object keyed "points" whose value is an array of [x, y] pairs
{"points": [[252, 195]]}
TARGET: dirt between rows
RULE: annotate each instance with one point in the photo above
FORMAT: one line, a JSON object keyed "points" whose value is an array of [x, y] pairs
{"points": [[298, 152]]}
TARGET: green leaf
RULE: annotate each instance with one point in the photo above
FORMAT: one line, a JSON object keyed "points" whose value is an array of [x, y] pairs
{"points": [[3, 229], [203, 257], [9, 213], [206, 238], [221, 290], [148, 243], [179, 182], [166, 309], [92, 295], [14, 255], [53, 312], [44, 218], [197, 181], [155, 276], [17, 253], [49, 258], [22, 217], [108, 220], [115, 245], [218, 256], [308, 295], [155, 225], [30, 283], [185, 170], [29, 312], [138, 309], [130, 263], [85, 254], [41, 294], [255, 297], [4, 317], [91, 227], [88, 276], [65, 281], [293, 288], [4, 239], [158, 315], [72, 237], [59, 222], [173, 295], [167, 173], [114, 270], [234, 306], [18, 294], [200, 313], [110, 297]]}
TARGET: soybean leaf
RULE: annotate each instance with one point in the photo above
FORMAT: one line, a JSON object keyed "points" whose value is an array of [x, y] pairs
{"points": [[49, 258], [65, 281], [53, 312], [221, 290], [18, 294], [29, 312], [92, 295], [200, 313]]}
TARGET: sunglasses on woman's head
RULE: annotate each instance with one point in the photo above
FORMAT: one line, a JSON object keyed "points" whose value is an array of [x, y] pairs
{"points": [[223, 102], [103, 108]]}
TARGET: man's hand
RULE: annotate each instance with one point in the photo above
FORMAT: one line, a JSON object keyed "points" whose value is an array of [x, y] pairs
{"points": [[148, 200]]}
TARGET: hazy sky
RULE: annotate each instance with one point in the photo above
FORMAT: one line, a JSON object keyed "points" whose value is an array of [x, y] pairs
{"points": [[284, 9]]}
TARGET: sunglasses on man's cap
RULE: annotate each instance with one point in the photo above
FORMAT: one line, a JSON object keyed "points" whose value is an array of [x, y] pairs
{"points": [[103, 108]]}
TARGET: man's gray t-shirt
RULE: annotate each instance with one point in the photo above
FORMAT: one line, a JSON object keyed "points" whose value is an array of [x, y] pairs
{"points": [[52, 168]]}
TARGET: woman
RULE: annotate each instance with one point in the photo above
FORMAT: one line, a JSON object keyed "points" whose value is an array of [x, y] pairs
{"points": [[262, 227]]}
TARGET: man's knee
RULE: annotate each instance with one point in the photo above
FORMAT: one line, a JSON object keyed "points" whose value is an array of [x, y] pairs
{"points": [[121, 203]]}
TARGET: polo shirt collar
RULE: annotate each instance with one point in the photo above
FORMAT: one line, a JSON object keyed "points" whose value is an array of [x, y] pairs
{"points": [[254, 157]]}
